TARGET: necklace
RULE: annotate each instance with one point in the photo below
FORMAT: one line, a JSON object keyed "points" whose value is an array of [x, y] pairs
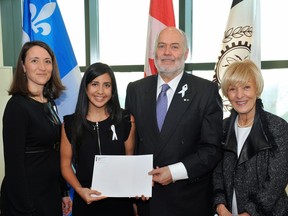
{"points": [[39, 99], [94, 126], [246, 125]]}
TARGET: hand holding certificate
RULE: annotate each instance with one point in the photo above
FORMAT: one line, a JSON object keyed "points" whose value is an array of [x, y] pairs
{"points": [[123, 175]]}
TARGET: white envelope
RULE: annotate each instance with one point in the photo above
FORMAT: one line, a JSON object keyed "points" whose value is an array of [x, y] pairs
{"points": [[123, 175]]}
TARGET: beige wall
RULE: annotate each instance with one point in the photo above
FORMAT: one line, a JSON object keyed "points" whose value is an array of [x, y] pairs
{"points": [[1, 148], [6, 78], [1, 47]]}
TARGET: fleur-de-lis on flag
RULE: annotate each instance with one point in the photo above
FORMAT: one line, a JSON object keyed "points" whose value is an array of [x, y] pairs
{"points": [[37, 20]]}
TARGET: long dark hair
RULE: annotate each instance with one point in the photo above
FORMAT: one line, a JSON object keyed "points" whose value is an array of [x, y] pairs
{"points": [[53, 87], [81, 111]]}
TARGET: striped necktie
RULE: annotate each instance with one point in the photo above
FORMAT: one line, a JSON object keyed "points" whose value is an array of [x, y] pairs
{"points": [[161, 108]]}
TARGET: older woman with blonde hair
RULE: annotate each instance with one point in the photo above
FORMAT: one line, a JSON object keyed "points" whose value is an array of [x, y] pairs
{"points": [[253, 174]]}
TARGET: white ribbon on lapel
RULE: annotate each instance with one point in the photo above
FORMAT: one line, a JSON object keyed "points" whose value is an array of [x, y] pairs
{"points": [[114, 136], [184, 89]]}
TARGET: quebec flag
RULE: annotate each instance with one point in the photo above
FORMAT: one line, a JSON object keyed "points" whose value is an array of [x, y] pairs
{"points": [[42, 21]]}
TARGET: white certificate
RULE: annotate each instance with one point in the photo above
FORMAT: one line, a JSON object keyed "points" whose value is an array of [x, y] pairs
{"points": [[123, 175]]}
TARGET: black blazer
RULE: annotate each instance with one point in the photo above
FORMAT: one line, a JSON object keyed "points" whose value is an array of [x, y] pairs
{"points": [[191, 134]]}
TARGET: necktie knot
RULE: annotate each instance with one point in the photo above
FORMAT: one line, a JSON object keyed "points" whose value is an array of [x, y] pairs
{"points": [[165, 87], [162, 103]]}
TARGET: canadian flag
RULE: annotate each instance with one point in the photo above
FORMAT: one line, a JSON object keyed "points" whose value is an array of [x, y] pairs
{"points": [[161, 15]]}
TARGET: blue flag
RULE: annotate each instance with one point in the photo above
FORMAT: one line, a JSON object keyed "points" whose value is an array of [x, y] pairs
{"points": [[42, 21]]}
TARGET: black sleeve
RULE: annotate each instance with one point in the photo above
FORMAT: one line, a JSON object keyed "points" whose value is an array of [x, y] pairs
{"points": [[127, 123], [15, 124]]}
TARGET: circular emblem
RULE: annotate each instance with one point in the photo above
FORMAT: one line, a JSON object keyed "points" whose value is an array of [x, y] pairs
{"points": [[235, 52]]}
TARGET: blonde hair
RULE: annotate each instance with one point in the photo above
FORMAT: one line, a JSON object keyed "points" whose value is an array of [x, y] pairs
{"points": [[239, 73]]}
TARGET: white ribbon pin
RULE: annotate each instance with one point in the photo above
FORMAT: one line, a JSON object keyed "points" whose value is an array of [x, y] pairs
{"points": [[114, 136], [184, 89]]}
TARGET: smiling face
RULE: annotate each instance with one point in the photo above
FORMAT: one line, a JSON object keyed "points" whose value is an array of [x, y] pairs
{"points": [[99, 91], [243, 98], [171, 52], [38, 68], [242, 83]]}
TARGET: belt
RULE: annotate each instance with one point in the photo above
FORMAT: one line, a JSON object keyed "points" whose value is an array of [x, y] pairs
{"points": [[36, 149]]}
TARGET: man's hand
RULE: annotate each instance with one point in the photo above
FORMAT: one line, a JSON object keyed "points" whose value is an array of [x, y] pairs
{"points": [[161, 175]]}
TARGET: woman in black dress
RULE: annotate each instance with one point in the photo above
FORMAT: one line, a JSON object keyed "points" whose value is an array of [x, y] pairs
{"points": [[33, 184], [92, 130]]}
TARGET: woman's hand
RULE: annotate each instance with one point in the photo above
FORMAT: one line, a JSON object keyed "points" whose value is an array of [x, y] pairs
{"points": [[66, 205], [143, 198], [222, 210], [89, 195]]}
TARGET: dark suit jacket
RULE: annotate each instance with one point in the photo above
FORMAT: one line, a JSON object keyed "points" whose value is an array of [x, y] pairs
{"points": [[191, 134]]}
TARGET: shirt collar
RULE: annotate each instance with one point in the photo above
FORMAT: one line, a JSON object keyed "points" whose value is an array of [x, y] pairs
{"points": [[172, 84]]}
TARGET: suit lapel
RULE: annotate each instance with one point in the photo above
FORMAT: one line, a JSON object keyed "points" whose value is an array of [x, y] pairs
{"points": [[256, 141], [149, 106]]}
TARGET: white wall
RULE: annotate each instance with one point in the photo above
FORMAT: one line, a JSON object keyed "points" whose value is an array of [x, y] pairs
{"points": [[6, 78]]}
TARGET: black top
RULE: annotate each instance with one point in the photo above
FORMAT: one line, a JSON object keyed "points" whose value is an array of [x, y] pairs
{"points": [[89, 147], [31, 185]]}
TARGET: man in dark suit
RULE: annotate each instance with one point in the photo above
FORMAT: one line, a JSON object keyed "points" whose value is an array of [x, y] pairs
{"points": [[187, 147]]}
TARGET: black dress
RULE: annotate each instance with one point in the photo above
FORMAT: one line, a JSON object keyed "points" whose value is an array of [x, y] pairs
{"points": [[31, 185], [85, 161]]}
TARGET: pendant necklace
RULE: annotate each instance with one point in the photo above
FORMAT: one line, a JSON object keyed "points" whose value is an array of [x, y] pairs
{"points": [[246, 125], [94, 126]]}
